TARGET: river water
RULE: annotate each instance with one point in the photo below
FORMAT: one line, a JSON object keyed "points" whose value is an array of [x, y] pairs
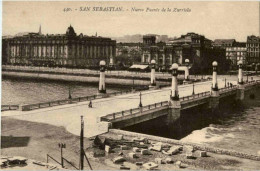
{"points": [[28, 91], [238, 130]]}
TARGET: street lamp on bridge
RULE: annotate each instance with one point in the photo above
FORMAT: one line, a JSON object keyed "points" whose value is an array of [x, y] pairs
{"points": [[193, 92], [69, 94], [140, 104], [133, 87]]}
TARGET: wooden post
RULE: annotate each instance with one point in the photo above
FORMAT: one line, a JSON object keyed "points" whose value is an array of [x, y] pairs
{"points": [[82, 145]]}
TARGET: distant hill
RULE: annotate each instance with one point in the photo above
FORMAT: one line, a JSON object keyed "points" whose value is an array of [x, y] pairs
{"points": [[7, 36], [129, 38], [136, 38], [22, 33]]}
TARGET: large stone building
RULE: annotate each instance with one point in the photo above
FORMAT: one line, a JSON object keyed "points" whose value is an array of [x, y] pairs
{"points": [[253, 49], [192, 46], [67, 49], [235, 51]]}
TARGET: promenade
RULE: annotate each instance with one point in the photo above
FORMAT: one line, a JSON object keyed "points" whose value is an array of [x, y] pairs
{"points": [[68, 116]]}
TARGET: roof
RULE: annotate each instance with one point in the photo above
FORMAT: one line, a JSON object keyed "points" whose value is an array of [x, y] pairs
{"points": [[224, 41]]}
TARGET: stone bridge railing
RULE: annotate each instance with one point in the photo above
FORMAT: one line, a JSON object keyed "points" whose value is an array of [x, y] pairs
{"points": [[195, 96], [138, 111], [254, 82], [26, 107], [9, 107], [133, 112], [227, 89]]}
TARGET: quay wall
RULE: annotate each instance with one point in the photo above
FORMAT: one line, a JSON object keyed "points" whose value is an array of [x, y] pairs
{"points": [[78, 78], [112, 77], [130, 135]]}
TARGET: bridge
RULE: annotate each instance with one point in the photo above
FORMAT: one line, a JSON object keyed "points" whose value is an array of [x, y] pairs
{"points": [[120, 110], [141, 114]]}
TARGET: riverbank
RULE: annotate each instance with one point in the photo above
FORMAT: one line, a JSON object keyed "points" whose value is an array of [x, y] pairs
{"points": [[83, 75], [35, 140], [91, 76]]}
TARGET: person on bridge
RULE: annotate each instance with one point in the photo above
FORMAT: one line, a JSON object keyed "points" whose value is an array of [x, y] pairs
{"points": [[90, 104]]}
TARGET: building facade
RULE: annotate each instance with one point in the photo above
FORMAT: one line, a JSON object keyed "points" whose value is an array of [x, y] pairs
{"points": [[192, 46], [235, 51], [253, 49], [67, 49]]}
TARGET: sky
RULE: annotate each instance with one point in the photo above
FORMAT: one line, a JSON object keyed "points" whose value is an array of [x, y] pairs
{"points": [[215, 20]]}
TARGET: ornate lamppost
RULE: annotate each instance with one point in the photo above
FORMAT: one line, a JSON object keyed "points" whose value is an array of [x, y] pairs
{"points": [[140, 103], [175, 92], [193, 92]]}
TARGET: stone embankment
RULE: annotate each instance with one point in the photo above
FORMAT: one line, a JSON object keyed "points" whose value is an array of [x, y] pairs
{"points": [[196, 146], [85, 75]]}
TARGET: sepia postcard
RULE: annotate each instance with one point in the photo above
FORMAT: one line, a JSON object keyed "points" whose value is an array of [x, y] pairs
{"points": [[130, 85]]}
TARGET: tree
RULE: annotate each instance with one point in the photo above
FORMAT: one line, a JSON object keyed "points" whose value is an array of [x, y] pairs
{"points": [[128, 57]]}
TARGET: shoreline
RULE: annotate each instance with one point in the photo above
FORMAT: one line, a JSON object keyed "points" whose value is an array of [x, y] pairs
{"points": [[50, 136], [81, 75]]}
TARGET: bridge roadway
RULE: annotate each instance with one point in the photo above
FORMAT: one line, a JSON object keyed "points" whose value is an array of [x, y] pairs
{"points": [[68, 115]]}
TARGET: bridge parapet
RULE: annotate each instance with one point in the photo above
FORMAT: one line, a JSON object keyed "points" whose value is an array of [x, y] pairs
{"points": [[9, 107], [195, 96], [227, 89], [160, 105], [27, 107], [133, 112], [250, 83]]}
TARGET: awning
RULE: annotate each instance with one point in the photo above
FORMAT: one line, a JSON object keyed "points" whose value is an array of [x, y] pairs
{"points": [[141, 67], [181, 68]]}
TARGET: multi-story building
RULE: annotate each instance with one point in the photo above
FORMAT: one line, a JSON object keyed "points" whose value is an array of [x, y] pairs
{"points": [[253, 49], [191, 46], [67, 49], [193, 39], [235, 51]]}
